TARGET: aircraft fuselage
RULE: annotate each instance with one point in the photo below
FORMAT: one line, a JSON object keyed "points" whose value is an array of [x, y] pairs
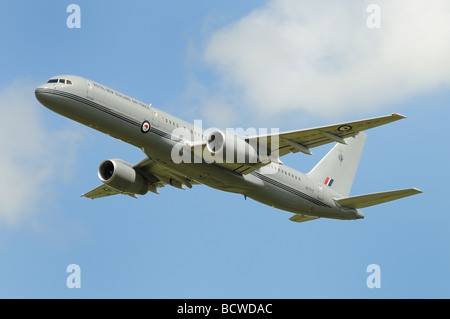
{"points": [[125, 118]]}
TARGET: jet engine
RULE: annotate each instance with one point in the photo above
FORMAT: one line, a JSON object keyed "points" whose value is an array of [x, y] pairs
{"points": [[231, 148], [122, 176]]}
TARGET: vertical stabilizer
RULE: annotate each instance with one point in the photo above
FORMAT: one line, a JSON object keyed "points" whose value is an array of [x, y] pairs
{"points": [[338, 168]]}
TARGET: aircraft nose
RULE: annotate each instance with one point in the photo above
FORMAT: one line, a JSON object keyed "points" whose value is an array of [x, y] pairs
{"points": [[40, 93], [43, 95]]}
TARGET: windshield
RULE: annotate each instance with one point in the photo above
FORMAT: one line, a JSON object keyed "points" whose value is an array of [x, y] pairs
{"points": [[62, 81]]}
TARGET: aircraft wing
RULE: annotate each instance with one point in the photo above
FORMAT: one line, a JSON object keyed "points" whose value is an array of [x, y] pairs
{"points": [[304, 140], [157, 174], [103, 191]]}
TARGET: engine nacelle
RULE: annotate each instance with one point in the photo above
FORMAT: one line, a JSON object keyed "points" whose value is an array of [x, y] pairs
{"points": [[231, 148], [122, 176]]}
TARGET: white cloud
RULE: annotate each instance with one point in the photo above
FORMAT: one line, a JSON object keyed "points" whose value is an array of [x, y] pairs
{"points": [[32, 156], [321, 58]]}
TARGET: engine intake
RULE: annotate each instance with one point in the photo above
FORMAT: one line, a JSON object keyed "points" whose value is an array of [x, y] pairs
{"points": [[230, 148], [122, 176]]}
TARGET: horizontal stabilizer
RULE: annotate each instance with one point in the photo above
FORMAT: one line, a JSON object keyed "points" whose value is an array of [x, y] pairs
{"points": [[298, 218], [376, 198]]}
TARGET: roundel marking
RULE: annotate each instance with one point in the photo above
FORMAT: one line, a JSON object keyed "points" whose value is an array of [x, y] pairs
{"points": [[344, 128], [145, 127]]}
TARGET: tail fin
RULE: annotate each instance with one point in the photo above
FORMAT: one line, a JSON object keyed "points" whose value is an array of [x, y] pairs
{"points": [[338, 168]]}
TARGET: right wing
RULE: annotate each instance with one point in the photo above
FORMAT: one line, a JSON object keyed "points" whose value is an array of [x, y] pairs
{"points": [[304, 140], [156, 174]]}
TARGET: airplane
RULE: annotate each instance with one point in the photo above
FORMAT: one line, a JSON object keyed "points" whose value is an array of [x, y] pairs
{"points": [[259, 175]]}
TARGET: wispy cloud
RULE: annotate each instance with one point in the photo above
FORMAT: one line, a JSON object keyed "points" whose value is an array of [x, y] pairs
{"points": [[33, 157], [320, 57]]}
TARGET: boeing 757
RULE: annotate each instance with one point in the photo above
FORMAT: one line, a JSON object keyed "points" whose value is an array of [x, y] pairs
{"points": [[181, 154]]}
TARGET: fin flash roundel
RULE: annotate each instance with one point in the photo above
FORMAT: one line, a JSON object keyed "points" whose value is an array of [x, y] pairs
{"points": [[145, 127]]}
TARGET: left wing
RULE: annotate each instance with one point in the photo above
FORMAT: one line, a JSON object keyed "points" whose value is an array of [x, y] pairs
{"points": [[103, 191], [157, 174], [304, 140], [161, 175]]}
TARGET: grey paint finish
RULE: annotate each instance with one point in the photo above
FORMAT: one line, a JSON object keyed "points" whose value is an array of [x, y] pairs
{"points": [[317, 194]]}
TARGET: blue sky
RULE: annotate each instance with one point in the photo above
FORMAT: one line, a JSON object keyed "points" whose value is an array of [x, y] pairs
{"points": [[284, 64]]}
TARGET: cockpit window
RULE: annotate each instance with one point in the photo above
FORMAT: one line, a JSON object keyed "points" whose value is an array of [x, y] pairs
{"points": [[62, 81]]}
